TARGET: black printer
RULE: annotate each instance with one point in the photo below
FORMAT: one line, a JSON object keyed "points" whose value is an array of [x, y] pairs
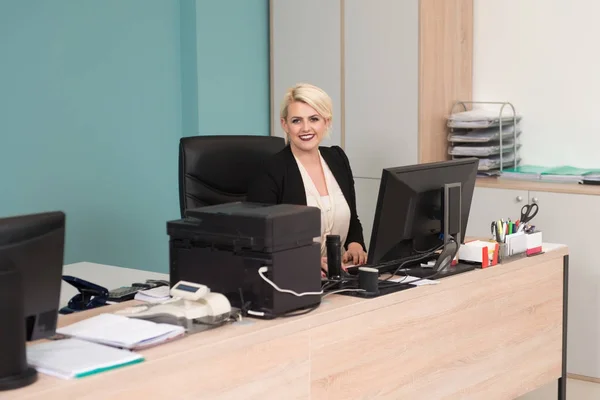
{"points": [[223, 246]]}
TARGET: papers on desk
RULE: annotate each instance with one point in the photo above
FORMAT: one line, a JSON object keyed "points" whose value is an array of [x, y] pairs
{"points": [[525, 172], [414, 280], [567, 174], [155, 295], [564, 174], [74, 358], [120, 331]]}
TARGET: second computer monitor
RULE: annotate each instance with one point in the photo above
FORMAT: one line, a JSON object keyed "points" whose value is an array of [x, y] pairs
{"points": [[413, 203], [33, 246]]}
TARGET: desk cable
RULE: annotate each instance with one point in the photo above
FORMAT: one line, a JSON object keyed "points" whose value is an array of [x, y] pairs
{"points": [[438, 271], [261, 272], [422, 256]]}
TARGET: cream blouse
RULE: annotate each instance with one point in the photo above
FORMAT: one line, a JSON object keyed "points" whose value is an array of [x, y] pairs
{"points": [[335, 212]]}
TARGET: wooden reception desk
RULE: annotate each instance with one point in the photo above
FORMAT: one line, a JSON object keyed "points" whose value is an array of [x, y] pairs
{"points": [[488, 334]]}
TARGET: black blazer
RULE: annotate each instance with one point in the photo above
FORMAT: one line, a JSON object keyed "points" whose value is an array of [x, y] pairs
{"points": [[281, 182]]}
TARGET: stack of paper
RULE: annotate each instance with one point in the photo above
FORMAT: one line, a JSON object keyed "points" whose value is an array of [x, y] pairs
{"points": [[493, 162], [474, 150], [479, 118], [74, 358], [120, 331], [156, 295], [486, 135], [592, 178], [477, 133]]}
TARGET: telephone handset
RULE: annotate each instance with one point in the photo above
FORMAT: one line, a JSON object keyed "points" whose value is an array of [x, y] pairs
{"points": [[92, 295]]}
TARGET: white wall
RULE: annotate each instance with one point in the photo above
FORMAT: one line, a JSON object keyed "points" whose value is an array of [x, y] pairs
{"points": [[542, 55], [306, 54]]}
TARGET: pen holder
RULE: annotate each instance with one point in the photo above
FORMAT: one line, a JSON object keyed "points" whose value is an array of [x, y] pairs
{"points": [[520, 245], [502, 252], [534, 243]]}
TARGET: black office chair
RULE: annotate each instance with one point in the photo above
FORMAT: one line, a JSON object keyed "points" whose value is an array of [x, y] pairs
{"points": [[217, 169]]}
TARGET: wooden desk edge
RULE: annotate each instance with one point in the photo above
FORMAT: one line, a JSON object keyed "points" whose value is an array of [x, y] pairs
{"points": [[340, 307], [336, 309], [568, 188]]}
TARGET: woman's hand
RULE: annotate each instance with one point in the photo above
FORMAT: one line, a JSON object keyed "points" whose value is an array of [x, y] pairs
{"points": [[324, 268], [355, 255]]}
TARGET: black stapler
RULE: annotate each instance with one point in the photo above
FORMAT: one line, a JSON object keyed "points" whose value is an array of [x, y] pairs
{"points": [[90, 295]]}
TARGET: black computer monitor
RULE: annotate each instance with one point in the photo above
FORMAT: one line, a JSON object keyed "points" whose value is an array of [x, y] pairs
{"points": [[414, 202], [31, 264]]}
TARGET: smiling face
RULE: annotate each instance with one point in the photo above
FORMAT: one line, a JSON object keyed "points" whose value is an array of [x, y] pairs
{"points": [[304, 126]]}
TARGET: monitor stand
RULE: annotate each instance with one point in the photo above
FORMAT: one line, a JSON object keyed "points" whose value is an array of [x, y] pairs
{"points": [[14, 371]]}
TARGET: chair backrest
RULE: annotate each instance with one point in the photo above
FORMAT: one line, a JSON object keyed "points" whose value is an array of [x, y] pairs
{"points": [[218, 169]]}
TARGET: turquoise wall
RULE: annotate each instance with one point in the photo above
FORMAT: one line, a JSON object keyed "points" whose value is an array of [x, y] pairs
{"points": [[233, 66], [94, 96]]}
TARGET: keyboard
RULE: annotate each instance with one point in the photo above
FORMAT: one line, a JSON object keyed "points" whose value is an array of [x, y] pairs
{"points": [[391, 266]]}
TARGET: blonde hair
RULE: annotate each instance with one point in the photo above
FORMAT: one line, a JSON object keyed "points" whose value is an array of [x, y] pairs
{"points": [[308, 94]]}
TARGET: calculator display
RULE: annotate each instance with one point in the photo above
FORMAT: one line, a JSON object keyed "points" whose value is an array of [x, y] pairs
{"points": [[187, 288]]}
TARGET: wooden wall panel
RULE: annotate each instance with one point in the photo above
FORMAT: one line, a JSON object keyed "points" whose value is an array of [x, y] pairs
{"points": [[445, 69]]}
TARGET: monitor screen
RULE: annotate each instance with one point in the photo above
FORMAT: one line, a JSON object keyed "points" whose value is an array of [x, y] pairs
{"points": [[412, 203]]}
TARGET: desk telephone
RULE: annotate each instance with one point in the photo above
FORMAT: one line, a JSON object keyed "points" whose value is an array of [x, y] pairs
{"points": [[92, 296], [193, 306]]}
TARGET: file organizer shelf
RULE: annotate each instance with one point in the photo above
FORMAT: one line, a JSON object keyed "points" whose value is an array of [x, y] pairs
{"points": [[489, 135]]}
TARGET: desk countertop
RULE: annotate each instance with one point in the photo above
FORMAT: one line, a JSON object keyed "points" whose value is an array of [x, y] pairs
{"points": [[538, 186], [108, 276], [493, 333]]}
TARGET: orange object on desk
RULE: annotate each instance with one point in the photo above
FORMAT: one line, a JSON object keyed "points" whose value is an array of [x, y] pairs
{"points": [[478, 251]]}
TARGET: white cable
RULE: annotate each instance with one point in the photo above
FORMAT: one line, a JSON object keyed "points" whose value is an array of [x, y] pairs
{"points": [[261, 272]]}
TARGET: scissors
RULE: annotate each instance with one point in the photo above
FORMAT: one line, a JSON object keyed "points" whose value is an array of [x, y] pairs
{"points": [[528, 212]]}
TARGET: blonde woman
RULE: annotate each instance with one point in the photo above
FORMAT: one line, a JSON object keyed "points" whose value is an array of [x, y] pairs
{"points": [[306, 173]]}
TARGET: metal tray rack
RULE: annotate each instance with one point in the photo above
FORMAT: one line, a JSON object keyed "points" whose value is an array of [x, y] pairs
{"points": [[502, 123]]}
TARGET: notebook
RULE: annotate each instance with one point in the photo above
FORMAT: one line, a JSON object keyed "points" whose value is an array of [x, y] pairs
{"points": [[121, 331], [74, 358]]}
